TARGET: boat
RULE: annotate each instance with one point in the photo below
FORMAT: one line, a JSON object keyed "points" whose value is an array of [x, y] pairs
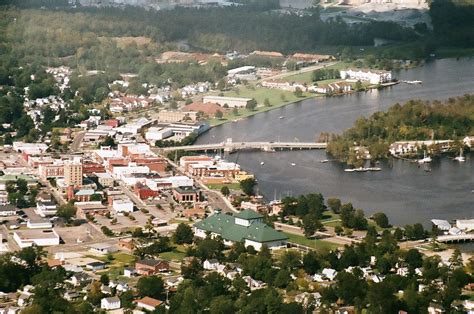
{"points": [[293, 164], [426, 159], [324, 161], [282, 117], [349, 170], [413, 82], [363, 169], [262, 163], [374, 169], [460, 158]]}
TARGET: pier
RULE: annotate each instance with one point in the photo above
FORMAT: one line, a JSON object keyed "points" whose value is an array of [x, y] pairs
{"points": [[229, 146]]}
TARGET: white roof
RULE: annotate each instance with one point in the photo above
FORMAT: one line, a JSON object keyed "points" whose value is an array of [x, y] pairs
{"points": [[441, 224]]}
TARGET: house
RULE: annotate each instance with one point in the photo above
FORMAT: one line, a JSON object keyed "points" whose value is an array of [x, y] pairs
{"points": [[329, 273], [469, 141], [112, 303], [211, 264], [127, 244], [147, 303], [80, 279], [46, 208], [95, 266], [434, 308], [8, 210], [308, 299], [129, 272], [71, 295], [173, 282], [247, 226], [151, 266], [27, 238], [254, 284]]}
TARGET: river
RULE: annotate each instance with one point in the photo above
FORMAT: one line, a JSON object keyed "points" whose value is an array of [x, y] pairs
{"points": [[405, 192]]}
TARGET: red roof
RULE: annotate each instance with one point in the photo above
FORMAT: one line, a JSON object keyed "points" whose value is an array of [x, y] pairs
{"points": [[208, 108], [149, 301]]}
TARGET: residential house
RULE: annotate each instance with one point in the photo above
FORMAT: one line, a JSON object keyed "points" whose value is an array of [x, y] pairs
{"points": [[95, 266], [111, 303], [151, 266], [147, 303]]}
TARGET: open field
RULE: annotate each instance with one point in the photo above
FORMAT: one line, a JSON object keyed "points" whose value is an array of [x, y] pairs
{"points": [[318, 245], [277, 98], [231, 186], [177, 253], [306, 77]]}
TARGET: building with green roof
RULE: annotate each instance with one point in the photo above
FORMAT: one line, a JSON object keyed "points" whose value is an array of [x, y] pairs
{"points": [[246, 226]]}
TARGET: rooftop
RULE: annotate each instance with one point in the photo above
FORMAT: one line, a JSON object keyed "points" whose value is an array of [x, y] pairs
{"points": [[225, 226], [248, 214]]}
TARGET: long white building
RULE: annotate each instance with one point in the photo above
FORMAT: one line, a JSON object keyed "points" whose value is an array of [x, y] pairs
{"points": [[371, 76]]}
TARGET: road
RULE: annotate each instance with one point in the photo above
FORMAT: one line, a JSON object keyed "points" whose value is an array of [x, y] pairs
{"points": [[76, 143]]}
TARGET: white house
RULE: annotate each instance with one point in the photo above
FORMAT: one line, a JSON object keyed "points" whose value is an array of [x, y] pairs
{"points": [[46, 208], [112, 303], [122, 205], [211, 264], [329, 273]]}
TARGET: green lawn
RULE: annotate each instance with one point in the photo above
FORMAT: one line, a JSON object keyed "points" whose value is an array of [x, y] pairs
{"points": [[176, 254], [306, 77], [231, 186], [277, 98], [312, 243]]}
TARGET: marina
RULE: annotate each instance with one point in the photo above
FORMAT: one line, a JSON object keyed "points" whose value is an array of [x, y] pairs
{"points": [[442, 189]]}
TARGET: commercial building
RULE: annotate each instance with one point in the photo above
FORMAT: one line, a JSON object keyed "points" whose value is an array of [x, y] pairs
{"points": [[73, 172], [186, 194], [176, 116], [371, 76], [55, 170], [27, 238], [247, 226], [231, 102], [105, 179], [122, 205], [8, 210], [465, 224]]}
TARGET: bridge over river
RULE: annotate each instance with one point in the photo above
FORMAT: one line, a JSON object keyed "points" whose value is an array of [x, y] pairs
{"points": [[229, 146]]}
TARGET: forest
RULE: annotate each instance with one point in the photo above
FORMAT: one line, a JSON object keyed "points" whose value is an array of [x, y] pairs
{"points": [[415, 120]]}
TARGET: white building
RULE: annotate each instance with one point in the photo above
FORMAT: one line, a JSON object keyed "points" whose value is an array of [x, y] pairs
{"points": [[26, 238], [441, 224], [30, 148], [158, 134], [8, 210], [112, 303], [231, 102], [371, 76], [38, 224], [120, 172], [122, 205], [465, 224], [169, 182]]}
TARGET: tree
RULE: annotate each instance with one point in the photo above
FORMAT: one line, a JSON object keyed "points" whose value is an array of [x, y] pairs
{"points": [[67, 211], [248, 185], [290, 260], [311, 263], [282, 278], [310, 224], [266, 102], [251, 105], [151, 286], [225, 191], [222, 305], [183, 234], [334, 204], [298, 92], [219, 114], [108, 141], [104, 279], [381, 220]]}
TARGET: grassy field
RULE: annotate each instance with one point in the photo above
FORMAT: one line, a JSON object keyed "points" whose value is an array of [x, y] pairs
{"points": [[231, 186], [306, 77], [176, 254], [277, 98], [117, 264], [318, 245]]}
